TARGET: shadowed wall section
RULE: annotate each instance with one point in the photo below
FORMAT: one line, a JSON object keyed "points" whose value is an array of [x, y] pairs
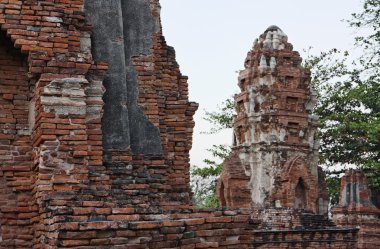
{"points": [[16, 177], [124, 124]]}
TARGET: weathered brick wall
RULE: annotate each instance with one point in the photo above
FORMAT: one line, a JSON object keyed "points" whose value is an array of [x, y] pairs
{"points": [[49, 99], [58, 81], [144, 169], [61, 187], [16, 205], [208, 229], [355, 209]]}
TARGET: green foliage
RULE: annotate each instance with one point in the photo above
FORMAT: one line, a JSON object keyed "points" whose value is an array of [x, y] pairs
{"points": [[349, 102], [333, 187], [210, 170], [205, 178], [206, 199], [213, 168], [368, 19], [222, 118]]}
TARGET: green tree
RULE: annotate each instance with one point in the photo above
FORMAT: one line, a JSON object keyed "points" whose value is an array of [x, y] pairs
{"points": [[205, 178], [349, 103], [222, 118]]}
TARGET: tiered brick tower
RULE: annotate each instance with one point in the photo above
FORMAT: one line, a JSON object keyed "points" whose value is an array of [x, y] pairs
{"points": [[275, 155]]}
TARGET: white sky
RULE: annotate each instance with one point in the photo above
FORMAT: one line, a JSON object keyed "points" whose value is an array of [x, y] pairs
{"points": [[212, 38]]}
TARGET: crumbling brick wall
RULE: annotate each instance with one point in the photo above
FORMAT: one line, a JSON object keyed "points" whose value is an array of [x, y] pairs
{"points": [[63, 88], [50, 113], [355, 209], [16, 91], [64, 182], [147, 122]]}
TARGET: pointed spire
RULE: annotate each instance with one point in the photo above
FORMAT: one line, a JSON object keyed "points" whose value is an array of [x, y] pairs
{"points": [[273, 38]]}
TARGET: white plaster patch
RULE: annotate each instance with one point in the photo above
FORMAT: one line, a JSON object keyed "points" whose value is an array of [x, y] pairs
{"points": [[53, 19], [85, 42], [78, 110], [273, 63], [277, 204], [67, 167], [32, 115], [233, 238], [263, 64]]}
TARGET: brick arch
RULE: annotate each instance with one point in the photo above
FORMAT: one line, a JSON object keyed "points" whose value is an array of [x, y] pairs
{"points": [[232, 189], [16, 173], [296, 172]]}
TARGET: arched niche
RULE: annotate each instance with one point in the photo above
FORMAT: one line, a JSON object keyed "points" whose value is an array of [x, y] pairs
{"points": [[300, 200], [298, 188]]}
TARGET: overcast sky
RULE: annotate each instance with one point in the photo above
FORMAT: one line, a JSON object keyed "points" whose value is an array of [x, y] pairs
{"points": [[212, 38]]}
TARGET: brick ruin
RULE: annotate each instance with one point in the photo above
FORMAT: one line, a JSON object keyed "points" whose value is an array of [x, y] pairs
{"points": [[274, 154], [356, 209], [96, 128]]}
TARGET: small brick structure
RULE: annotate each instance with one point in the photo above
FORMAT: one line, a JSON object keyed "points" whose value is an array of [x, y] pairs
{"points": [[275, 155], [355, 209], [96, 128]]}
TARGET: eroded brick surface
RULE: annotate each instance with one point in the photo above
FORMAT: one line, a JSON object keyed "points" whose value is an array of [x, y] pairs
{"points": [[61, 187], [356, 209], [16, 204]]}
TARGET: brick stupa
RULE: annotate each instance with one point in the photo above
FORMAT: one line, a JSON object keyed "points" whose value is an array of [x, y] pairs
{"points": [[274, 160]]}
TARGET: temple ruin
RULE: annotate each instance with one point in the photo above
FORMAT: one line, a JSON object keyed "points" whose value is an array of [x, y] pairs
{"points": [[96, 128], [274, 154]]}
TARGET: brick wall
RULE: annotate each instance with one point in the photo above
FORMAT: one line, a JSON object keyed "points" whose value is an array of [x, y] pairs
{"points": [[46, 114], [207, 229], [61, 189], [355, 209], [17, 205]]}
